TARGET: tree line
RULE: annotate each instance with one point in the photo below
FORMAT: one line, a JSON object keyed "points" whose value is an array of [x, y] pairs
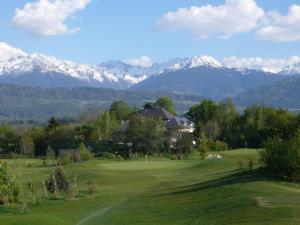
{"points": [[218, 126], [215, 121], [99, 131]]}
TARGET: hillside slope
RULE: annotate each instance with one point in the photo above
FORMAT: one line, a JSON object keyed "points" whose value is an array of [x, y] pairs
{"points": [[33, 103], [282, 94]]}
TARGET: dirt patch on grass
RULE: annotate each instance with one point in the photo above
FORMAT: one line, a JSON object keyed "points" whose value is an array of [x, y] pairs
{"points": [[262, 202]]}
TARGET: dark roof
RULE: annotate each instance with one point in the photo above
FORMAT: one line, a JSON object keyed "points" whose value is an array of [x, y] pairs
{"points": [[180, 122], [157, 113]]}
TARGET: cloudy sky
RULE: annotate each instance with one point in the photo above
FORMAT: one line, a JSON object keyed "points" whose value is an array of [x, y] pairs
{"points": [[142, 31]]}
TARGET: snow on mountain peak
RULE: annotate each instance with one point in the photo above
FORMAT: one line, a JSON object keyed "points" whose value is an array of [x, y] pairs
{"points": [[15, 64], [21, 64], [292, 69], [7, 52], [198, 61]]}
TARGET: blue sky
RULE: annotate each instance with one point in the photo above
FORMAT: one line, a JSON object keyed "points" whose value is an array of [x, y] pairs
{"points": [[118, 29]]}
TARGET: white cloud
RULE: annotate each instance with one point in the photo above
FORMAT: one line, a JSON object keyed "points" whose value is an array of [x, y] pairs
{"points": [[272, 65], [281, 28], [235, 16], [48, 17], [143, 61]]}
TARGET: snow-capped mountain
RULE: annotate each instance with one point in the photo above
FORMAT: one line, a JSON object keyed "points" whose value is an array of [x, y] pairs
{"points": [[18, 67], [197, 61], [132, 74], [291, 69], [7, 52], [137, 74]]}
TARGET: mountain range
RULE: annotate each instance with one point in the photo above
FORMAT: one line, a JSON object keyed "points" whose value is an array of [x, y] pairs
{"points": [[201, 75], [211, 82]]}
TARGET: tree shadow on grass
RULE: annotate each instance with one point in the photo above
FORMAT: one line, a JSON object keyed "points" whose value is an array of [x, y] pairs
{"points": [[249, 176]]}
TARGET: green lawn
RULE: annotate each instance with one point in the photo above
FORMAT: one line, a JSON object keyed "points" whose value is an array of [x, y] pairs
{"points": [[163, 192]]}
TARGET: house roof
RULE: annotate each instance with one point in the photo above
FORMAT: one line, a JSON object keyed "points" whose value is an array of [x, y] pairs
{"points": [[157, 113], [180, 122]]}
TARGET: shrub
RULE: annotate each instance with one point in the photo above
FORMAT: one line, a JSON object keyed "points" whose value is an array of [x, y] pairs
{"points": [[219, 146], [283, 156], [173, 157], [9, 191], [57, 181], [120, 158], [176, 157], [72, 191], [92, 187], [64, 159], [251, 164], [85, 153], [108, 155]]}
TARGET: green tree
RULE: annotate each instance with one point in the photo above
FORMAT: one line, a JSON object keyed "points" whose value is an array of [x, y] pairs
{"points": [[27, 145], [211, 130], [52, 123], [121, 110], [228, 118], [184, 143], [201, 113], [146, 134], [283, 156], [203, 146], [166, 103], [9, 191], [40, 140], [259, 123], [62, 138], [85, 153], [105, 125], [84, 133], [9, 141]]}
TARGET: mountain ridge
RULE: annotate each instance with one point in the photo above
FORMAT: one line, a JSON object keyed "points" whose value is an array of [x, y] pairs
{"points": [[208, 81], [200, 75]]}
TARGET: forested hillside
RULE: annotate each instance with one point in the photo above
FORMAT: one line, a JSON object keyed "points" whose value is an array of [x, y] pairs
{"points": [[38, 104], [283, 94]]}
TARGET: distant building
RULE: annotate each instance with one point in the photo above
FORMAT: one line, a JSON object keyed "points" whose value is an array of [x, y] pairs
{"points": [[157, 113], [178, 126], [181, 124]]}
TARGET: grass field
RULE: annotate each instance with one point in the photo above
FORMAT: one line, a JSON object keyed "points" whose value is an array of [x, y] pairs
{"points": [[163, 192]]}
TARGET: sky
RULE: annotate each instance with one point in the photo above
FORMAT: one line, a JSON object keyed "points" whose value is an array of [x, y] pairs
{"points": [[142, 31]]}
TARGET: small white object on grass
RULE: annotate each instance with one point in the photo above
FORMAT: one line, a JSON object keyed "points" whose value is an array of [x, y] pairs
{"points": [[214, 156]]}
